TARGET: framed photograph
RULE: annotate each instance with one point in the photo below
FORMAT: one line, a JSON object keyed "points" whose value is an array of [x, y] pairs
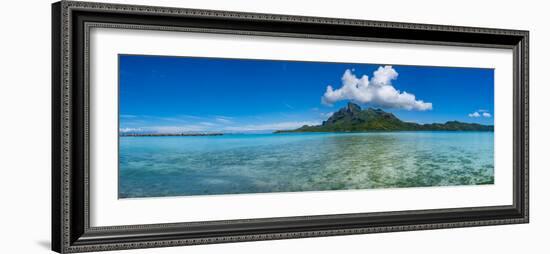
{"points": [[181, 126]]}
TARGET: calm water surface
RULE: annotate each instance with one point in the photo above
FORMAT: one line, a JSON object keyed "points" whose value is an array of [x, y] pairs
{"points": [[259, 163]]}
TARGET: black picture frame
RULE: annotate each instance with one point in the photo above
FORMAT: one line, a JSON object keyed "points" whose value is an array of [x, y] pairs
{"points": [[71, 22]]}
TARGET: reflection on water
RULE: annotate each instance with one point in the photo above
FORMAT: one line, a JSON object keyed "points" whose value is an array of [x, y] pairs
{"points": [[231, 164]]}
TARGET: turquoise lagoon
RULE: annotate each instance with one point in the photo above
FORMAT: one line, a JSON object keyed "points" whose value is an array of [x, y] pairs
{"points": [[262, 163]]}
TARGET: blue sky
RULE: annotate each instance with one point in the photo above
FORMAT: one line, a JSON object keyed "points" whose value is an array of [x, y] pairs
{"points": [[182, 94]]}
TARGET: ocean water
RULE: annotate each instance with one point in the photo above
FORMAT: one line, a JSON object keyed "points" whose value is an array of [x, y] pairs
{"points": [[260, 163]]}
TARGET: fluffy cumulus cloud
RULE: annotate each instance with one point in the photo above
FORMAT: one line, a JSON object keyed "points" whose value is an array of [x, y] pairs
{"points": [[480, 113], [377, 90], [475, 114]]}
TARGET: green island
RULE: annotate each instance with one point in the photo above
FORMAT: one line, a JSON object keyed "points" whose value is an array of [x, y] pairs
{"points": [[353, 119]]}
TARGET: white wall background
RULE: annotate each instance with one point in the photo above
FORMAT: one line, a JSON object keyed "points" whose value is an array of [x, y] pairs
{"points": [[25, 125]]}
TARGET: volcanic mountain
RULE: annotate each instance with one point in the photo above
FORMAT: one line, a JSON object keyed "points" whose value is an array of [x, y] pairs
{"points": [[353, 119]]}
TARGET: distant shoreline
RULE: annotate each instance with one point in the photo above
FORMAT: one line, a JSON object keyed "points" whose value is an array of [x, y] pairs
{"points": [[375, 131], [171, 135]]}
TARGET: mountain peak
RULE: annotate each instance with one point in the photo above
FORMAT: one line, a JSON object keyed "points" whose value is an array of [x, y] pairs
{"points": [[352, 107], [352, 114]]}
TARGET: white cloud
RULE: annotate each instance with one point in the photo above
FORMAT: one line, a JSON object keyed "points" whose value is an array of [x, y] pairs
{"points": [[327, 115], [269, 126], [176, 129], [207, 124], [480, 113], [168, 129], [130, 130], [378, 91], [288, 105], [475, 114], [210, 127], [223, 120]]}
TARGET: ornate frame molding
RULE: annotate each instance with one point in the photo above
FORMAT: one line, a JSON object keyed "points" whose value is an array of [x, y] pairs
{"points": [[71, 22]]}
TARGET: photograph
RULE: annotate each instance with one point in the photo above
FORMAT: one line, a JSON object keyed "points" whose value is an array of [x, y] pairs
{"points": [[181, 124], [213, 126]]}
